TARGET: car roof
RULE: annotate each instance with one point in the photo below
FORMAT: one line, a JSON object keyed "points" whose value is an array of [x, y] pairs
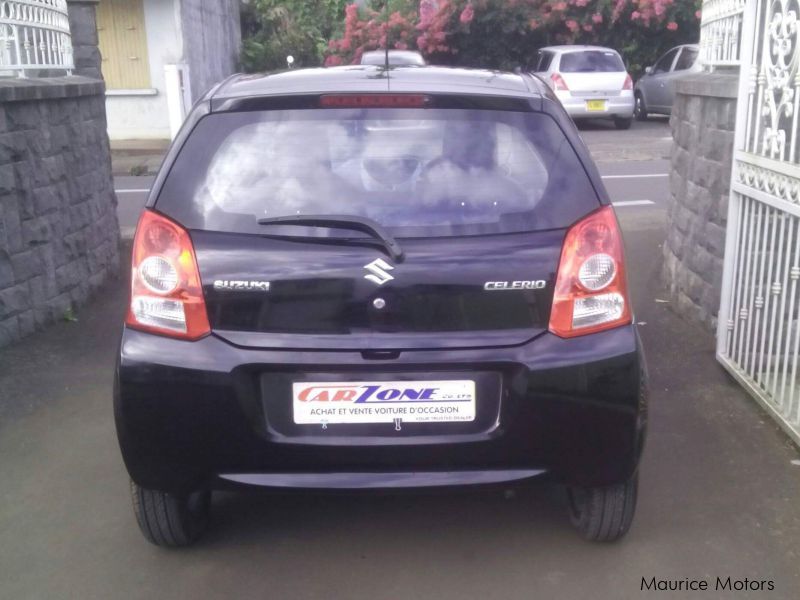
{"points": [[576, 48], [377, 79]]}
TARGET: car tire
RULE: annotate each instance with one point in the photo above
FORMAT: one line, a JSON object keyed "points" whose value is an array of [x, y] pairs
{"points": [[170, 520], [639, 108], [603, 514], [622, 122]]}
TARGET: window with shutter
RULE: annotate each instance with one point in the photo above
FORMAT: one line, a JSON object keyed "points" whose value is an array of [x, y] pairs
{"points": [[123, 44]]}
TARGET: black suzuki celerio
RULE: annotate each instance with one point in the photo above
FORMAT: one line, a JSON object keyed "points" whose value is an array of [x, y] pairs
{"points": [[360, 278]]}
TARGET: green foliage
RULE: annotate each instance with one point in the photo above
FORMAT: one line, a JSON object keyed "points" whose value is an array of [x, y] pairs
{"points": [[274, 29], [372, 27], [641, 43], [499, 34], [505, 34]]}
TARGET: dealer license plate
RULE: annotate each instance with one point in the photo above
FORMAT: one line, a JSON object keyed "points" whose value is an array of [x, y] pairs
{"points": [[323, 402], [595, 105]]}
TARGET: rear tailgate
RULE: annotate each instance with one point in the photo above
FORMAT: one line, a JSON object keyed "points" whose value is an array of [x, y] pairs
{"points": [[593, 85], [593, 72], [479, 200], [447, 293]]}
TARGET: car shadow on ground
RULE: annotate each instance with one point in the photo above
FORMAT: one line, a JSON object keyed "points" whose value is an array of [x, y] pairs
{"points": [[608, 124], [366, 519]]}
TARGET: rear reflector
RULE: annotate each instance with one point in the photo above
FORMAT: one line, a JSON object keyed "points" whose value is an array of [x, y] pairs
{"points": [[591, 292], [373, 101]]}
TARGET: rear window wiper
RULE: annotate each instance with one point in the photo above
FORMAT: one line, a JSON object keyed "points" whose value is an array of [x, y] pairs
{"points": [[352, 222]]}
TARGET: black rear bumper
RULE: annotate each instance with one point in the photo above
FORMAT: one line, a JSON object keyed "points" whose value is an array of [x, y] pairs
{"points": [[201, 413]]}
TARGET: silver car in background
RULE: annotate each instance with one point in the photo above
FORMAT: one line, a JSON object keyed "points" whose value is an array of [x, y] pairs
{"points": [[397, 58], [590, 81], [655, 91]]}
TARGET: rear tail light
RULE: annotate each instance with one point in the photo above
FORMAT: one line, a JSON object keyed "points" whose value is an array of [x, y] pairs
{"points": [[628, 85], [166, 293], [559, 83], [591, 291]]}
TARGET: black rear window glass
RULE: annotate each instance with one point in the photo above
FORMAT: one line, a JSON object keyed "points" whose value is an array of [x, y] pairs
{"points": [[545, 58], [591, 61], [418, 172], [687, 59]]}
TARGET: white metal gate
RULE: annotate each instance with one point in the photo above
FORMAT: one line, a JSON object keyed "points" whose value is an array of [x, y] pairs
{"points": [[34, 36], [758, 338]]}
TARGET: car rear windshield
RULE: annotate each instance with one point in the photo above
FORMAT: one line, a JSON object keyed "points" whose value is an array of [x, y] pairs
{"points": [[418, 172], [592, 61]]}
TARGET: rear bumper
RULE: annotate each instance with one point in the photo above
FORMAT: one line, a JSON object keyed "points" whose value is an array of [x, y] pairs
{"points": [[193, 414], [381, 480], [615, 106]]}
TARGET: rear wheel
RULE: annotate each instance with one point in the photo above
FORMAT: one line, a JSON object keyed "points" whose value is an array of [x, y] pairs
{"points": [[168, 519], [603, 514], [640, 109], [622, 122]]}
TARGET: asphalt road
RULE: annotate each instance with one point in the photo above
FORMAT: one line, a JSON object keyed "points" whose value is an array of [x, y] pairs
{"points": [[719, 493]]}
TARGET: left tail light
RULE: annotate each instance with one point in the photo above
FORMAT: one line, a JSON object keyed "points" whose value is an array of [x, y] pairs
{"points": [[558, 82], [166, 293], [628, 85], [591, 291]]}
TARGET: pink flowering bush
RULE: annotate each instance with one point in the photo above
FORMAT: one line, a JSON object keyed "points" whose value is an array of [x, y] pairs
{"points": [[506, 33], [370, 28], [499, 33]]}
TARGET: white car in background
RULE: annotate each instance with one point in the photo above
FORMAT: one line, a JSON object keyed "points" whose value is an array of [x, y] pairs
{"points": [[397, 58], [590, 81]]}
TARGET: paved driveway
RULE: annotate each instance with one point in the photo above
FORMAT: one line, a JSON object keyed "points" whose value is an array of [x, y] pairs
{"points": [[648, 140], [720, 496]]}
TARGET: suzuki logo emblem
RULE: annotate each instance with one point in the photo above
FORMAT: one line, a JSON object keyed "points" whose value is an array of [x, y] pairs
{"points": [[378, 271]]}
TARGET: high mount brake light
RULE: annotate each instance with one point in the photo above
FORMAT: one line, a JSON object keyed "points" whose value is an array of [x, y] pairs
{"points": [[373, 101], [591, 291], [166, 293], [628, 85], [559, 83]]}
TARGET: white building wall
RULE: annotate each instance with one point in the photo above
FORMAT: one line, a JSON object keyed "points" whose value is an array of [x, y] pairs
{"points": [[144, 114], [203, 35]]}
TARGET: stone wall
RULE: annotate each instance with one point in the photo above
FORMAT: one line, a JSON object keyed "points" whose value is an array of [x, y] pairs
{"points": [[702, 123], [59, 235], [83, 26]]}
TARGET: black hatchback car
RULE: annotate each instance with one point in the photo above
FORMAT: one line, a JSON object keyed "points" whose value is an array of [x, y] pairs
{"points": [[358, 278]]}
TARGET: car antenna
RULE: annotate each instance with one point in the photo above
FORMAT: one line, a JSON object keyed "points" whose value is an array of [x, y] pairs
{"points": [[386, 43]]}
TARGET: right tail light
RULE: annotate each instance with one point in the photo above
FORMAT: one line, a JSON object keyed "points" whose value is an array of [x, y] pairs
{"points": [[591, 292], [628, 85]]}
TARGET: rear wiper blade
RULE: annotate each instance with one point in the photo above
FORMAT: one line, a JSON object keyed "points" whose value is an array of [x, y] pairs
{"points": [[352, 222]]}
